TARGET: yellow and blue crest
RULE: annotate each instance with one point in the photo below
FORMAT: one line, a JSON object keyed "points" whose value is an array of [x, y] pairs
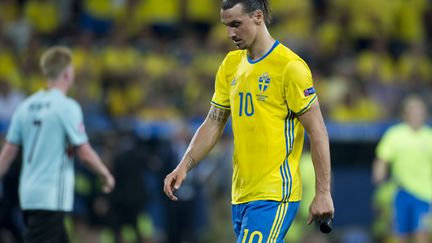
{"points": [[263, 82]]}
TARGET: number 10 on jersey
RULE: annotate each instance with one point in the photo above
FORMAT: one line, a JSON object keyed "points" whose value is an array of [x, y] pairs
{"points": [[246, 104]]}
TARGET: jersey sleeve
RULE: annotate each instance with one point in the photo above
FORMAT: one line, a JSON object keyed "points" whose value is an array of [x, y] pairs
{"points": [[384, 149], [298, 87], [14, 134], [72, 119], [221, 97]]}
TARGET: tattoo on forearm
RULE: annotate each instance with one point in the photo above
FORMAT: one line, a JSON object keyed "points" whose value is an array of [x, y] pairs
{"points": [[218, 115], [191, 163]]}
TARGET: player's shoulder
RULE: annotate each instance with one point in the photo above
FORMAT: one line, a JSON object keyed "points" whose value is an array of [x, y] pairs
{"points": [[289, 59], [287, 54], [397, 129], [33, 97], [29, 100], [234, 56], [61, 101], [231, 61], [427, 129], [71, 103]]}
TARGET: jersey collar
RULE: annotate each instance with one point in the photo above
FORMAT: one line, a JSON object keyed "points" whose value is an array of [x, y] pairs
{"points": [[265, 55]]}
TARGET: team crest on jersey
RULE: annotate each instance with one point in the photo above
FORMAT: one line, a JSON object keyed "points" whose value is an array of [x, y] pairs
{"points": [[263, 82]]}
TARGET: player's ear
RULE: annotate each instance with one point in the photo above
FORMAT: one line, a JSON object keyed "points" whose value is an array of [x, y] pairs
{"points": [[64, 75], [67, 73], [258, 17]]}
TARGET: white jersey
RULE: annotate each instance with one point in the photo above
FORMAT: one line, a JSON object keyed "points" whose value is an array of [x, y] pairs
{"points": [[47, 124]]}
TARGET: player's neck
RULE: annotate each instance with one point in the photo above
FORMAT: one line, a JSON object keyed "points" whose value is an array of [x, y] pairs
{"points": [[61, 86], [262, 44], [415, 127]]}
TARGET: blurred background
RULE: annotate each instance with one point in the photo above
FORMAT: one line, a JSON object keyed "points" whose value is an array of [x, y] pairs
{"points": [[145, 76]]}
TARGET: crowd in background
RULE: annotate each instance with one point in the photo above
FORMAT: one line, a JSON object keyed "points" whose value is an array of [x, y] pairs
{"points": [[155, 61]]}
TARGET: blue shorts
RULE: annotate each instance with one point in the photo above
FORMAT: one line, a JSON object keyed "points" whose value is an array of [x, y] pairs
{"points": [[410, 213], [263, 221]]}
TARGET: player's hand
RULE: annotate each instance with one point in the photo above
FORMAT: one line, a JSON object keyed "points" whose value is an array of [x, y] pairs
{"points": [[321, 208], [109, 183], [173, 182]]}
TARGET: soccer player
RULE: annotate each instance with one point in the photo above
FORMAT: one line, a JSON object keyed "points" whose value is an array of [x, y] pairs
{"points": [[48, 126], [407, 147], [268, 91]]}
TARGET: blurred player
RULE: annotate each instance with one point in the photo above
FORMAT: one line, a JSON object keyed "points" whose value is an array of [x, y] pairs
{"points": [[408, 148], [268, 91], [49, 126]]}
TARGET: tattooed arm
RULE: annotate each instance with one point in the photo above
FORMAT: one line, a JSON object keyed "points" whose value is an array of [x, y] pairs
{"points": [[206, 136], [203, 141]]}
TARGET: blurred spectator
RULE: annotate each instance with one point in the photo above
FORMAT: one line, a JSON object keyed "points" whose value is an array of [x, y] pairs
{"points": [[409, 19], [9, 66], [200, 15], [407, 148], [43, 15], [130, 18], [376, 64], [98, 16], [293, 17], [9, 12], [127, 203], [11, 220], [382, 228], [32, 79], [13, 24], [414, 67], [88, 88], [163, 17], [9, 100], [120, 72], [357, 106]]}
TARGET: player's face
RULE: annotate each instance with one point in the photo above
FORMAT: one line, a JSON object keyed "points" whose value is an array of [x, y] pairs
{"points": [[241, 26], [415, 114]]}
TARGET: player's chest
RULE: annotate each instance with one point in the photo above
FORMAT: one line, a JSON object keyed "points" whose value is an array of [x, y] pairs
{"points": [[260, 85], [414, 144]]}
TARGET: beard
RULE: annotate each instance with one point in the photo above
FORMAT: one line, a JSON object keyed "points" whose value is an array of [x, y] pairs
{"points": [[240, 44]]}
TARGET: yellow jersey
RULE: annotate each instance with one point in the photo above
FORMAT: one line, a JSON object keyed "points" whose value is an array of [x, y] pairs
{"points": [[410, 154], [265, 97]]}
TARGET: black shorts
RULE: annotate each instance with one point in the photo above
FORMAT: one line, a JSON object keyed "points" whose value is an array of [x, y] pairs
{"points": [[45, 227]]}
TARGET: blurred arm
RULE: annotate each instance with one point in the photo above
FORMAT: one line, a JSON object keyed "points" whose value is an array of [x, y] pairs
{"points": [[7, 155], [92, 160], [379, 170]]}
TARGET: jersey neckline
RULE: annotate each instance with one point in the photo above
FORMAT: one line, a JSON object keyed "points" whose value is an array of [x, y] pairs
{"points": [[251, 61], [53, 91]]}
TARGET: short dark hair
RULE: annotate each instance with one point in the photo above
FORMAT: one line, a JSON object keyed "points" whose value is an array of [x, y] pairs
{"points": [[250, 6]]}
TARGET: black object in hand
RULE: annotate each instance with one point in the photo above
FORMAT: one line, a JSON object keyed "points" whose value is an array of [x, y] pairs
{"points": [[325, 226]]}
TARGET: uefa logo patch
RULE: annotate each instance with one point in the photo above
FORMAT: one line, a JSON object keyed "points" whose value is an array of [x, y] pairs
{"points": [[263, 82], [309, 91]]}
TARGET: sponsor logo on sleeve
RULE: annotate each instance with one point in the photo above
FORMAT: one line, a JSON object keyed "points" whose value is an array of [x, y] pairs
{"points": [[81, 128], [309, 91]]}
